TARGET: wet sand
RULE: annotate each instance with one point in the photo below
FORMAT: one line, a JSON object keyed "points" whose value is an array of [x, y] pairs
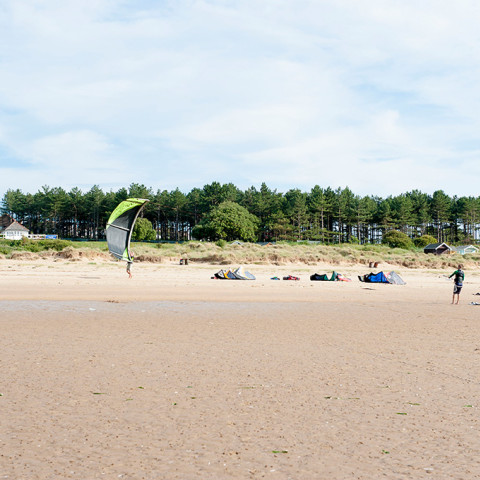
{"points": [[172, 375]]}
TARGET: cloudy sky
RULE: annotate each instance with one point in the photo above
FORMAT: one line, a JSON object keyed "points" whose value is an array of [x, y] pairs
{"points": [[382, 96]]}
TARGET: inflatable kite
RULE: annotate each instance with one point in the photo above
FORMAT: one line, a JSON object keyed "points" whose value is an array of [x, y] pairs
{"points": [[120, 227]]}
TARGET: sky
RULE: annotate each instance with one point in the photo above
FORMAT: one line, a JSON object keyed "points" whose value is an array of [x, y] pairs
{"points": [[381, 96]]}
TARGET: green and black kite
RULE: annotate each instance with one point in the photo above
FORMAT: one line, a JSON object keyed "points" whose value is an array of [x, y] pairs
{"points": [[120, 227]]}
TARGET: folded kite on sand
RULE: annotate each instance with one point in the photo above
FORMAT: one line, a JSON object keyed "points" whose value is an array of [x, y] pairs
{"points": [[336, 277], [317, 277], [291, 277], [238, 274], [380, 277]]}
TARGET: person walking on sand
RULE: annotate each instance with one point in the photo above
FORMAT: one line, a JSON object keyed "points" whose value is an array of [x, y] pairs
{"points": [[457, 283], [129, 264]]}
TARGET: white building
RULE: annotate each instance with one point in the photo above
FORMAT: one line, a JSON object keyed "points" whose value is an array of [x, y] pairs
{"points": [[10, 229]]}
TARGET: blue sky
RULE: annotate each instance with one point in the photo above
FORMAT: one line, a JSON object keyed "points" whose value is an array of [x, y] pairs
{"points": [[380, 95]]}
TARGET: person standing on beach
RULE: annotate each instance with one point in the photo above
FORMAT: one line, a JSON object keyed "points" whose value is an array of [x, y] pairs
{"points": [[457, 283], [129, 264]]}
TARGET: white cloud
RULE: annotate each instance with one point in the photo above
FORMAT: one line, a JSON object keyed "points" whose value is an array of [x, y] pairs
{"points": [[79, 150], [374, 95]]}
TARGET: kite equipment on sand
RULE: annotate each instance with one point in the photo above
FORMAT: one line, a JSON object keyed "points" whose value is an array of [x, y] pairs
{"points": [[291, 277], [317, 277], [120, 227], [336, 277], [380, 277], [239, 274]]}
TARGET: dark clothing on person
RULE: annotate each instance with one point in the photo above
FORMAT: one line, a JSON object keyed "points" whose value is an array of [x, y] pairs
{"points": [[459, 277], [457, 283]]}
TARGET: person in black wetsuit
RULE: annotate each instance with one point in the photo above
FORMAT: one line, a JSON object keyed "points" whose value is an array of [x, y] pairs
{"points": [[457, 283]]}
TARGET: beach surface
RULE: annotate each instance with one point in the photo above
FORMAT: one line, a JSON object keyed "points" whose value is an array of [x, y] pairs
{"points": [[173, 375]]}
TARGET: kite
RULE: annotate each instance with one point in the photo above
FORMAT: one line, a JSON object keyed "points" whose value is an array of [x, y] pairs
{"points": [[120, 227]]}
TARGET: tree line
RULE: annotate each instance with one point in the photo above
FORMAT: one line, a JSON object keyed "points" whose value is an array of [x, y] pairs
{"points": [[323, 214]]}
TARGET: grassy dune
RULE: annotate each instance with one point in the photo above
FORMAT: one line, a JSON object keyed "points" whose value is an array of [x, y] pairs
{"points": [[285, 253], [233, 254]]}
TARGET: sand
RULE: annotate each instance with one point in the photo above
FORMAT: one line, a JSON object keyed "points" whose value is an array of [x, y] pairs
{"points": [[172, 375]]}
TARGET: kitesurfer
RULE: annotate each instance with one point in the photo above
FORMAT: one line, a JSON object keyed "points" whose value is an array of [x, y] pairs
{"points": [[120, 228], [129, 264], [457, 283]]}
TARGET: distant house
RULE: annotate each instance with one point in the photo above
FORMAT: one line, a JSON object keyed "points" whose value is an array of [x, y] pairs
{"points": [[11, 229], [463, 249], [437, 248]]}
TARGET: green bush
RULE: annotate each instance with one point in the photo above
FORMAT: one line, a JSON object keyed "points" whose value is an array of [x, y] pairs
{"points": [[35, 246], [221, 243], [41, 245], [11, 243], [143, 230], [228, 221], [199, 232], [424, 240], [396, 239]]}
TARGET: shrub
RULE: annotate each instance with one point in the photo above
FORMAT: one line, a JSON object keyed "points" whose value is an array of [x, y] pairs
{"points": [[57, 245], [199, 232], [396, 239], [35, 246], [143, 230], [424, 240], [228, 221]]}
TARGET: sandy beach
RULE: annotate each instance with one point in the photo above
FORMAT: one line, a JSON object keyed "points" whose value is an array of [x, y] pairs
{"points": [[173, 375]]}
